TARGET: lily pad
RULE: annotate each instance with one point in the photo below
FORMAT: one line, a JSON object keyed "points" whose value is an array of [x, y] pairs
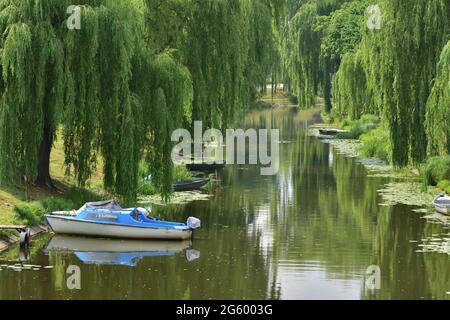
{"points": [[177, 198], [407, 193]]}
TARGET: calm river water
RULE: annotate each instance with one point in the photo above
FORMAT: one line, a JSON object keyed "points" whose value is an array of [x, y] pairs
{"points": [[310, 232]]}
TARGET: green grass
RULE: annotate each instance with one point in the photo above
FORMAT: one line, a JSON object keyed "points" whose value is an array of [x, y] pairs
{"points": [[375, 144], [280, 98], [32, 213], [356, 128]]}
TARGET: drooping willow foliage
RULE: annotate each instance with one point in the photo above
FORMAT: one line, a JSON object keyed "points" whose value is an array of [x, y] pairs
{"points": [[438, 108], [350, 93], [414, 33], [102, 114], [118, 87], [227, 51], [400, 63], [32, 87], [341, 35], [392, 72], [170, 87], [303, 63], [317, 35]]}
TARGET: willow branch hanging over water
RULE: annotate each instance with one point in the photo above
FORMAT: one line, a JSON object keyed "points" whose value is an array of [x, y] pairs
{"points": [[438, 108], [396, 67], [121, 84], [31, 89]]}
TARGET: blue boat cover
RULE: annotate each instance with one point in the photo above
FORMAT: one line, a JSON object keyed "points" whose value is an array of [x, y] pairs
{"points": [[107, 205]]}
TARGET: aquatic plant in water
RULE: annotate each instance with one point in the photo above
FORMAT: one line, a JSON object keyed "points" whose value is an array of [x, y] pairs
{"points": [[407, 193], [176, 198]]}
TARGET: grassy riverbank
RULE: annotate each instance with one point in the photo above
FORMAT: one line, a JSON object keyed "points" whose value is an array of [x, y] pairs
{"points": [[20, 205]]}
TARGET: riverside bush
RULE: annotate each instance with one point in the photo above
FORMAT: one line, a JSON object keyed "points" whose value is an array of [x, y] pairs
{"points": [[375, 144], [436, 169]]}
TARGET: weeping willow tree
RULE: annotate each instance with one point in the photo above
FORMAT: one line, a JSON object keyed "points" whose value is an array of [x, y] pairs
{"points": [[119, 86], [170, 90], [87, 76], [102, 113], [314, 43], [414, 34], [228, 52], [262, 56], [438, 108], [303, 64], [349, 84], [82, 103], [208, 54], [342, 33], [143, 97], [32, 87], [400, 62]]}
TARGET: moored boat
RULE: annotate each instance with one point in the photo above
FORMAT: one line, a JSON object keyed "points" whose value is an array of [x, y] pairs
{"points": [[190, 185], [442, 204], [205, 167], [107, 219], [331, 132]]}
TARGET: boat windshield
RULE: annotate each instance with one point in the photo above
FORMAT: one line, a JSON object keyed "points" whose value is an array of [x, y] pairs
{"points": [[138, 215]]}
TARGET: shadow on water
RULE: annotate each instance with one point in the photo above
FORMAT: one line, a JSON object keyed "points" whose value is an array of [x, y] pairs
{"points": [[310, 232]]}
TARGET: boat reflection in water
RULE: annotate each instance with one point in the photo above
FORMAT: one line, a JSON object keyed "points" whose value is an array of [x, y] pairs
{"points": [[118, 252]]}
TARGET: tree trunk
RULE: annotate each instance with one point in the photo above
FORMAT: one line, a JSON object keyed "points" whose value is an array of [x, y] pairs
{"points": [[43, 178]]}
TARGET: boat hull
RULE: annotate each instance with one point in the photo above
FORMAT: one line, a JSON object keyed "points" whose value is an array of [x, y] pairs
{"points": [[331, 132], [190, 185], [69, 225], [442, 204], [443, 209], [204, 167]]}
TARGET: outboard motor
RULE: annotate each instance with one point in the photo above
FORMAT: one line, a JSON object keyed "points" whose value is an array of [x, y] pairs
{"points": [[193, 223]]}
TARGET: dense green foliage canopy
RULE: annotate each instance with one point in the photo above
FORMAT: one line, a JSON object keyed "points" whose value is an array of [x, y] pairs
{"points": [[115, 89], [398, 71], [118, 87]]}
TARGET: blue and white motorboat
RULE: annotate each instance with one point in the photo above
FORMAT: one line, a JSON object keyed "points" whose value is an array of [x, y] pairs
{"points": [[107, 219]]}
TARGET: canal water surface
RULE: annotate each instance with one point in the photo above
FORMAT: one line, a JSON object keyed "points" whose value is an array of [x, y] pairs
{"points": [[313, 231]]}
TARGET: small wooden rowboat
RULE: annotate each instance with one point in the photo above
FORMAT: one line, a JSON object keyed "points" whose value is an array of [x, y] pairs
{"points": [[442, 204], [205, 167], [331, 132], [105, 219], [190, 185]]}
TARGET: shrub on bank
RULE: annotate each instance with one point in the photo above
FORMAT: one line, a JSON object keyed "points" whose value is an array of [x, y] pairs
{"points": [[436, 169], [58, 204], [358, 127], [444, 185], [375, 144], [260, 105], [30, 213], [147, 188], [77, 197]]}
